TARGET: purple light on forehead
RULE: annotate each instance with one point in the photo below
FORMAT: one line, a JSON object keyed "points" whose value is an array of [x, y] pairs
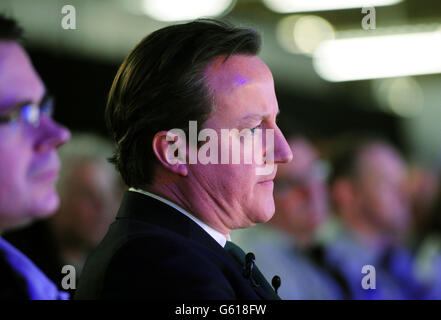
{"points": [[239, 80]]}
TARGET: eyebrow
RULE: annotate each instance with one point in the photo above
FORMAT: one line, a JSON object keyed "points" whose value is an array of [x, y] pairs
{"points": [[18, 105], [255, 117]]}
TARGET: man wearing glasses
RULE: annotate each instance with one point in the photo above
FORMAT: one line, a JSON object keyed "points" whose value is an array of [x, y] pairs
{"points": [[28, 163]]}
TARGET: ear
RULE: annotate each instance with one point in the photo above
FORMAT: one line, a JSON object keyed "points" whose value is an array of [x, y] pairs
{"points": [[170, 149]]}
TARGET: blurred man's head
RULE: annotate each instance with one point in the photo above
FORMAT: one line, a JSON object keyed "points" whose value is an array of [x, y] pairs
{"points": [[369, 190], [90, 191], [300, 192], [204, 71], [28, 136], [424, 184]]}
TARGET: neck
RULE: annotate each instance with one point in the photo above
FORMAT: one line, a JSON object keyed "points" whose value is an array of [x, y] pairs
{"points": [[198, 207]]}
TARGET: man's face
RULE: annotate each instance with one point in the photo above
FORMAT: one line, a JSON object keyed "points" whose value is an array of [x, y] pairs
{"points": [[381, 185], [244, 99], [28, 158], [300, 190]]}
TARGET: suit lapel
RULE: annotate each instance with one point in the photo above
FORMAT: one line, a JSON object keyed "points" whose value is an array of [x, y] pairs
{"points": [[144, 208]]}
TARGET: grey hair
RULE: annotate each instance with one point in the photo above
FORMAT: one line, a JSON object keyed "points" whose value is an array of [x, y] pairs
{"points": [[83, 147]]}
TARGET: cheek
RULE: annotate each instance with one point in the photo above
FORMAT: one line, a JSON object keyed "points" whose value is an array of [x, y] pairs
{"points": [[19, 195], [231, 178], [14, 190], [13, 169], [245, 183]]}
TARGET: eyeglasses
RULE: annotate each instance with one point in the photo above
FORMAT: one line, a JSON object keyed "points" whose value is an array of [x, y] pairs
{"points": [[30, 112]]}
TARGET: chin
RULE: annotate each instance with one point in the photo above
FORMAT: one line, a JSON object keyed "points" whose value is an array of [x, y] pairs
{"points": [[46, 205], [264, 212]]}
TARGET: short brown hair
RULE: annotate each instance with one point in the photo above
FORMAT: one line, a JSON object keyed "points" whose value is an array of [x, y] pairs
{"points": [[9, 29]]}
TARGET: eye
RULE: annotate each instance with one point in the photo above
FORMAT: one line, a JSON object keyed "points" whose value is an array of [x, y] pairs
{"points": [[252, 130]]}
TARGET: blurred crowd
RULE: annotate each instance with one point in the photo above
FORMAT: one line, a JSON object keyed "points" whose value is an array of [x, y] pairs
{"points": [[359, 213], [362, 204], [354, 220]]}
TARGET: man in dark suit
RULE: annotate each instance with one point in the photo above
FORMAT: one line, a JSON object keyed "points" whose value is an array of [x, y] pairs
{"points": [[171, 238]]}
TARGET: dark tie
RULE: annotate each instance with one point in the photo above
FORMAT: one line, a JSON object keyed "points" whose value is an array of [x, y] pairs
{"points": [[257, 277]]}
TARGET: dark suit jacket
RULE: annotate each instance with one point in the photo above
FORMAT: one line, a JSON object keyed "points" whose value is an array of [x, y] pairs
{"points": [[153, 251]]}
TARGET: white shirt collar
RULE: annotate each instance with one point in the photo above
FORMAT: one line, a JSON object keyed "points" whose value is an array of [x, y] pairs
{"points": [[216, 235]]}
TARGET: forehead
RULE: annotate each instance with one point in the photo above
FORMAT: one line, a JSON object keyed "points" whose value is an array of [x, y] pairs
{"points": [[237, 71], [241, 85], [19, 81]]}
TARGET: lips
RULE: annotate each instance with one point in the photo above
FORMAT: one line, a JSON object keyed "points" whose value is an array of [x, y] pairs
{"points": [[45, 167], [266, 183], [268, 180]]}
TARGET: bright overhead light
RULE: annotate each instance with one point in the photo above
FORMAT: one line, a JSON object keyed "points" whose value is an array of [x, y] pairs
{"points": [[180, 10], [286, 6], [379, 56], [310, 31], [301, 34], [402, 96]]}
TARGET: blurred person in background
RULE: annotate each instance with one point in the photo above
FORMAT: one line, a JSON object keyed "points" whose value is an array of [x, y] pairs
{"points": [[423, 187], [90, 191], [301, 201], [428, 246], [369, 189], [29, 139]]}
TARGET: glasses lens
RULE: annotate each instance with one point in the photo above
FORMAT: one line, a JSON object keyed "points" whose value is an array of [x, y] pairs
{"points": [[47, 107], [31, 113]]}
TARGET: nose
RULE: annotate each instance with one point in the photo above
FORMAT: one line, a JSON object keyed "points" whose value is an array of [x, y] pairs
{"points": [[282, 150], [51, 135]]}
